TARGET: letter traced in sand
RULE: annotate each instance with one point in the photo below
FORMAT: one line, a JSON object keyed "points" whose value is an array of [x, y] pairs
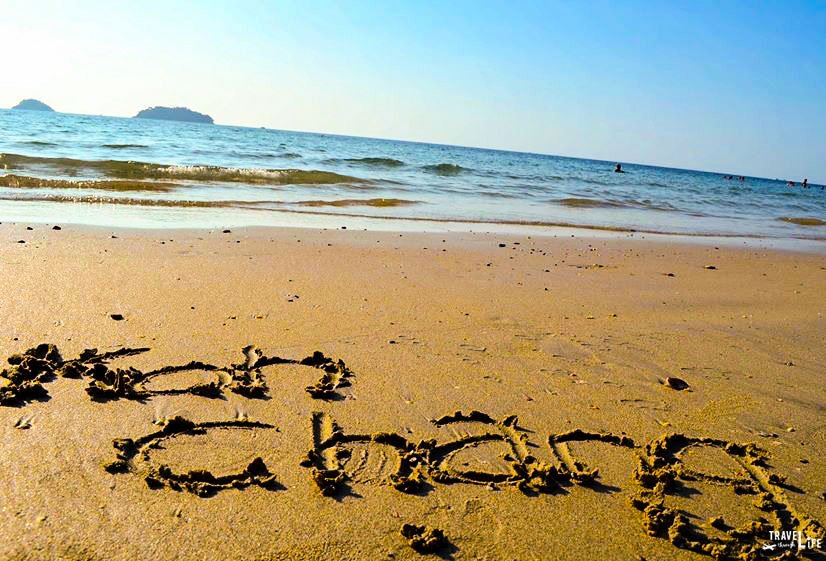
{"points": [[523, 470], [134, 456], [335, 466], [662, 474], [335, 375], [338, 460], [576, 470], [411, 468], [23, 380]]}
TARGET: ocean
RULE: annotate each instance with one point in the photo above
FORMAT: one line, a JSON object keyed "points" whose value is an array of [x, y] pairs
{"points": [[107, 171]]}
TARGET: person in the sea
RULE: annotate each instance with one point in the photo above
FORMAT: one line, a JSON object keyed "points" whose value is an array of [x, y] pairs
{"points": [[618, 169], [805, 182]]}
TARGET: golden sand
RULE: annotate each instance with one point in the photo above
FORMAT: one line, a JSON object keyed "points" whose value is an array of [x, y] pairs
{"points": [[292, 394]]}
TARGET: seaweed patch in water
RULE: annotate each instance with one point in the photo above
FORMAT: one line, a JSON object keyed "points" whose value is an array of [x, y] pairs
{"points": [[380, 203], [27, 182], [445, 169], [369, 161]]}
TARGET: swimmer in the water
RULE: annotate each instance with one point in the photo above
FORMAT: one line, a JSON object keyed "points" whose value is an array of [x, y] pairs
{"points": [[618, 169], [805, 182]]}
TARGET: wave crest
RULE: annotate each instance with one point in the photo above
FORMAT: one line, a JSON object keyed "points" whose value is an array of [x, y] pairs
{"points": [[38, 143], [144, 170], [445, 169], [581, 202]]}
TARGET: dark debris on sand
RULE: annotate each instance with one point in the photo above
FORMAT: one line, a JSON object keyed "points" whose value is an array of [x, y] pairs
{"points": [[424, 539], [676, 383]]}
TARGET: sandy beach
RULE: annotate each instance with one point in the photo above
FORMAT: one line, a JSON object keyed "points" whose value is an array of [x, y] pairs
{"points": [[267, 394]]}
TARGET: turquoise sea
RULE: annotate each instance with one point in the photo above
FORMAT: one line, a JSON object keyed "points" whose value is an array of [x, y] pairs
{"points": [[65, 168]]}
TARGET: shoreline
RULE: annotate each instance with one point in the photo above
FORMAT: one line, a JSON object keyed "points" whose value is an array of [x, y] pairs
{"points": [[278, 179], [456, 228]]}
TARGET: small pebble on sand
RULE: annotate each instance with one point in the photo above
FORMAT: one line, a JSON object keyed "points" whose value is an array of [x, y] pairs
{"points": [[676, 383]]}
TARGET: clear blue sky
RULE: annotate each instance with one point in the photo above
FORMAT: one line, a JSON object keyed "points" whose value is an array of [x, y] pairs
{"points": [[727, 86]]}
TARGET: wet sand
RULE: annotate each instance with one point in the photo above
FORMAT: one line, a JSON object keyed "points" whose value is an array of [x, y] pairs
{"points": [[303, 394]]}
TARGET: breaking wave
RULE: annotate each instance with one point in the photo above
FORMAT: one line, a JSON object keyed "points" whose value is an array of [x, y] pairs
{"points": [[143, 170], [153, 202]]}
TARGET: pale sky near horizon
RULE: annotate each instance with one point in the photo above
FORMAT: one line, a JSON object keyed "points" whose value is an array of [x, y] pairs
{"points": [[735, 87]]}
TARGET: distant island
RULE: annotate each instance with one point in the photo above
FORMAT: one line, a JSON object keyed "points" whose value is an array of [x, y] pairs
{"points": [[33, 105], [174, 114]]}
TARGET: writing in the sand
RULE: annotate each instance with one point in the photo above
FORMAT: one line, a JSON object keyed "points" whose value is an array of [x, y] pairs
{"points": [[337, 460]]}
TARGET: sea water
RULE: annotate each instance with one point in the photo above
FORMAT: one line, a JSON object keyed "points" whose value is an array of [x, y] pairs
{"points": [[58, 168]]}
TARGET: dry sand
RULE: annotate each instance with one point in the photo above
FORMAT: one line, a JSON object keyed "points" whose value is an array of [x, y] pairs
{"points": [[567, 334]]}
